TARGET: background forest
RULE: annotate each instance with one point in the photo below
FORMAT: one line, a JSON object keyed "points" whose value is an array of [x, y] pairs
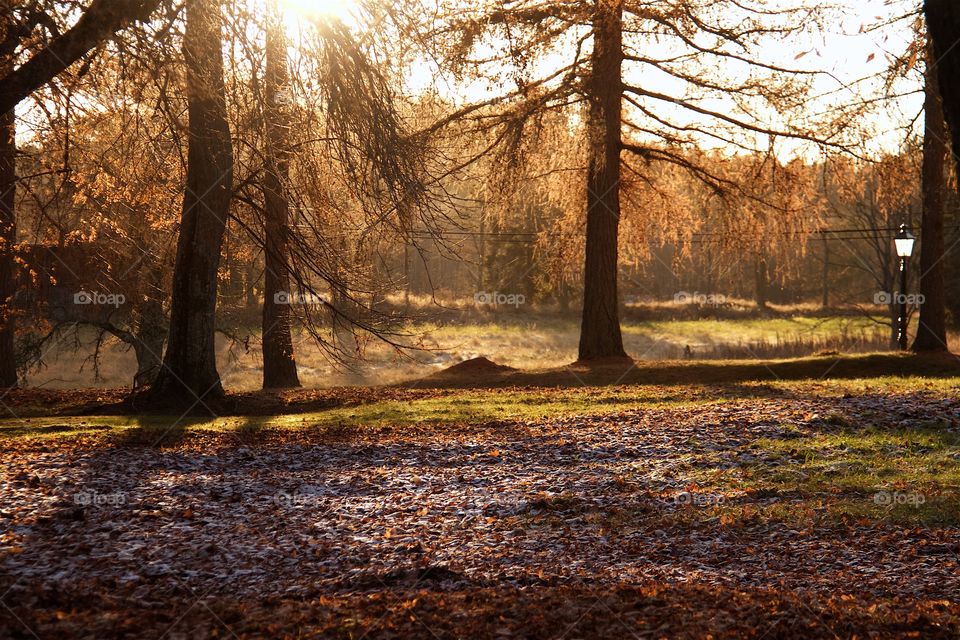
{"points": [[411, 183]]}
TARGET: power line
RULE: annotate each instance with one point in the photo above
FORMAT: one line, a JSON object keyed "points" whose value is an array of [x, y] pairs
{"points": [[701, 237]]}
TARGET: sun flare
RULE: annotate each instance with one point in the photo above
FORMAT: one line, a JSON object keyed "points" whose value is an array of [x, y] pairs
{"points": [[340, 9]]}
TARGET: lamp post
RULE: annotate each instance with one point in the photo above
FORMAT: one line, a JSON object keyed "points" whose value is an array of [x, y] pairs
{"points": [[904, 244]]}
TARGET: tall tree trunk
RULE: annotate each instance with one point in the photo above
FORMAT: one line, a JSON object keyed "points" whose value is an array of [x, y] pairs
{"points": [[600, 327], [943, 27], [250, 278], [279, 366], [8, 238], [825, 284], [148, 322], [150, 334], [932, 329], [189, 375], [8, 203], [406, 276], [760, 282]]}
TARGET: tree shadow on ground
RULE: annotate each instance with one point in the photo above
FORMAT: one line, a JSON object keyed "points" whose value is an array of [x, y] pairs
{"points": [[428, 610], [157, 433], [730, 378], [624, 371]]}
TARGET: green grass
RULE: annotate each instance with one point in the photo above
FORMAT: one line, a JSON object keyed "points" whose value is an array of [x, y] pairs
{"points": [[477, 406], [850, 469], [883, 384], [462, 407], [754, 329], [520, 341]]}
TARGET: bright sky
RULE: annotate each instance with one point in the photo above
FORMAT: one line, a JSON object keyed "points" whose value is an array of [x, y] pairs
{"points": [[850, 55], [344, 10], [844, 51]]}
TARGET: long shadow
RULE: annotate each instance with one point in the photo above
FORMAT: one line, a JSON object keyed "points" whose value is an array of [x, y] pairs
{"points": [[618, 372], [604, 611], [730, 380], [159, 436]]}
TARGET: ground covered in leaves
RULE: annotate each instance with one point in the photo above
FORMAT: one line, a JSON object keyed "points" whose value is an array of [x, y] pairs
{"points": [[815, 510]]}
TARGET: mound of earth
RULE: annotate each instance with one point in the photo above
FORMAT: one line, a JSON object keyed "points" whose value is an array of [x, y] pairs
{"points": [[474, 367]]}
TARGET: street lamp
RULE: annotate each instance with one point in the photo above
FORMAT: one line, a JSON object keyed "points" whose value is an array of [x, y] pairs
{"points": [[904, 243]]}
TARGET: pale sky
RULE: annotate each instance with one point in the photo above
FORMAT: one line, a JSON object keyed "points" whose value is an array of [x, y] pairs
{"points": [[843, 51]]}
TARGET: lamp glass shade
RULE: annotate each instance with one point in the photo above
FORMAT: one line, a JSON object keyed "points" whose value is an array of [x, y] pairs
{"points": [[904, 243]]}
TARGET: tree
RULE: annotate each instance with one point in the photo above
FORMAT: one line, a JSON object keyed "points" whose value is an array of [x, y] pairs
{"points": [[279, 366], [709, 50], [8, 238], [8, 220], [189, 374], [343, 168], [931, 329], [98, 22], [600, 327], [382, 165], [943, 27], [121, 214]]}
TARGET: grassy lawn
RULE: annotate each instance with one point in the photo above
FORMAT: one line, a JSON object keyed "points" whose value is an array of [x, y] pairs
{"points": [[464, 406], [847, 471], [522, 341], [515, 339], [559, 393], [708, 330]]}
